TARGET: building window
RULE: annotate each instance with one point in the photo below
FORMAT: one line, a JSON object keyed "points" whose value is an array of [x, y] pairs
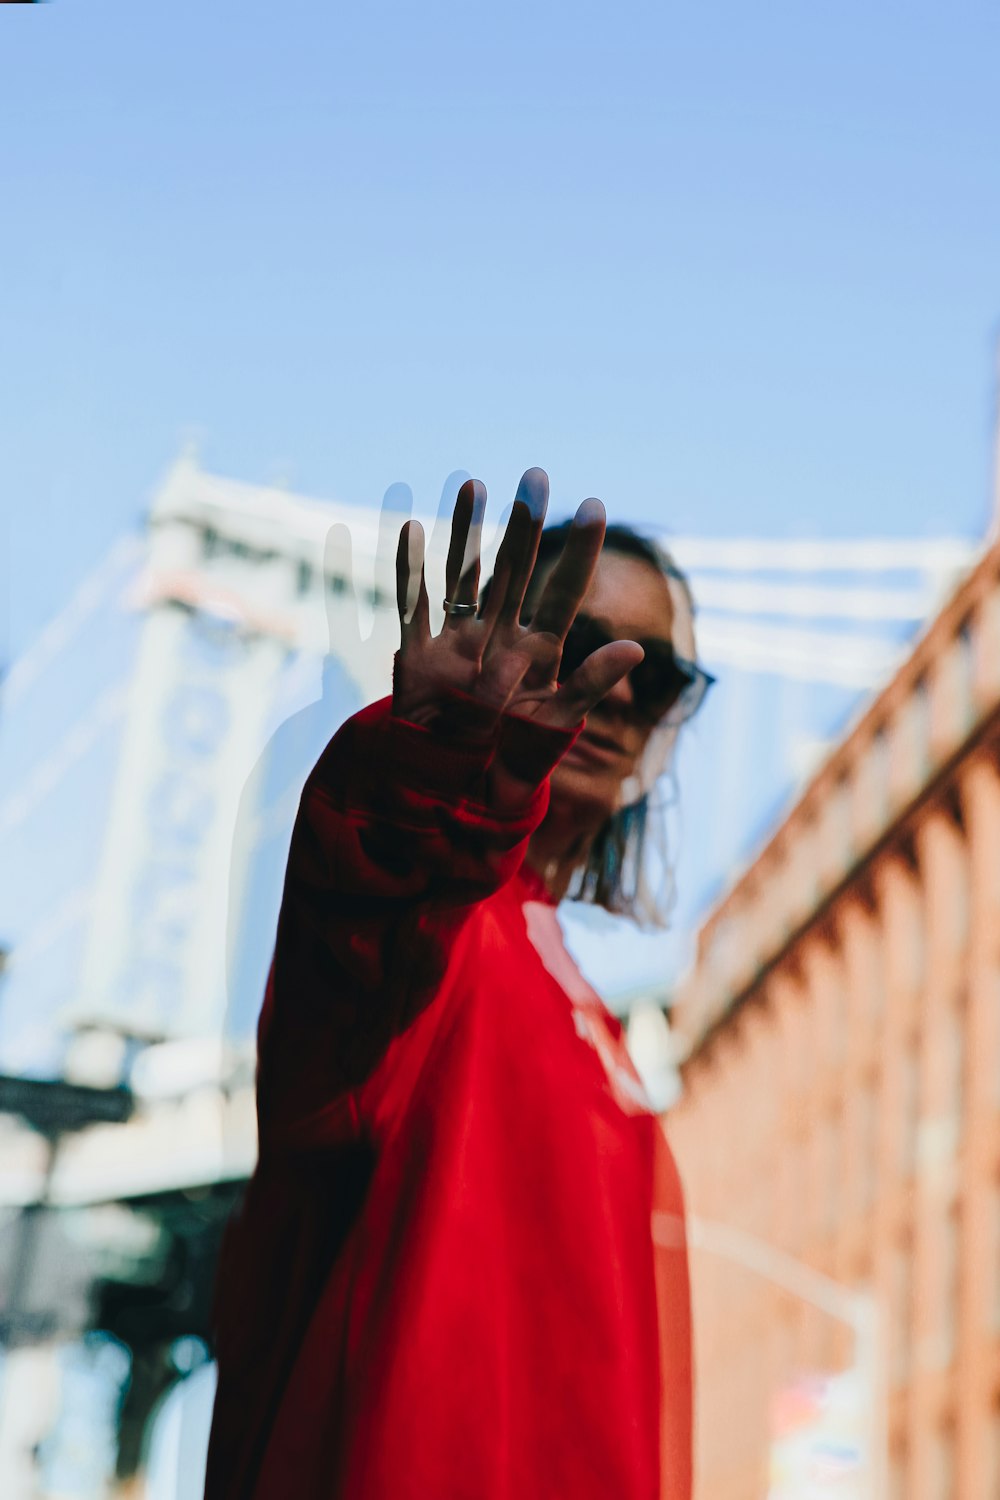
{"points": [[910, 753], [874, 956], [962, 665], [304, 575], [873, 780], [991, 1467], [805, 884], [956, 1057], [942, 1465], [914, 928], [901, 1312], [830, 1173], [909, 1109], [995, 1258], [836, 835], [879, 753], [962, 899], [797, 1152], [949, 1287], [868, 1140], [864, 958], [336, 584], [919, 727], [986, 643]]}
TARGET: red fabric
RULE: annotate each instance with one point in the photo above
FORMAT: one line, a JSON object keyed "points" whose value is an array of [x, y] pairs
{"points": [[442, 1280]]}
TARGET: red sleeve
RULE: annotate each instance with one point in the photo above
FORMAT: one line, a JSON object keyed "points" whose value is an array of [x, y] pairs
{"points": [[394, 843]]}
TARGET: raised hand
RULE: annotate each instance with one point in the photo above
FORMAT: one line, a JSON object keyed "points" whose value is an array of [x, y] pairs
{"points": [[495, 661]]}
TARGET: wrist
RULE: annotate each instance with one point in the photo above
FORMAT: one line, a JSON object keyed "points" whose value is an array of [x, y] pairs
{"points": [[527, 752]]}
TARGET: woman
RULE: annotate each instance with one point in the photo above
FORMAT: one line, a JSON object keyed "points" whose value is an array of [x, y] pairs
{"points": [[443, 1281]]}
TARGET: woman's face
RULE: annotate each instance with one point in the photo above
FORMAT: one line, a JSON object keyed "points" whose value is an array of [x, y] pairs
{"points": [[631, 600]]}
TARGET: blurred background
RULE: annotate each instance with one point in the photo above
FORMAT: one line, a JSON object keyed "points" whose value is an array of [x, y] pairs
{"points": [[267, 274]]}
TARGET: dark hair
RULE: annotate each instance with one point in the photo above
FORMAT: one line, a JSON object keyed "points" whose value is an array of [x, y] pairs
{"points": [[617, 538], [613, 875]]}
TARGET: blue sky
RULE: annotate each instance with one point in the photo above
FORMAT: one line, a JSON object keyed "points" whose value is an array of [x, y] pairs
{"points": [[731, 268]]}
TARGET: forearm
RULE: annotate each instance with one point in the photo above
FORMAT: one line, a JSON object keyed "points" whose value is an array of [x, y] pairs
{"points": [[401, 831]]}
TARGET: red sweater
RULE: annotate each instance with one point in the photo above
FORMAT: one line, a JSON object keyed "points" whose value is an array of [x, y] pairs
{"points": [[442, 1284]]}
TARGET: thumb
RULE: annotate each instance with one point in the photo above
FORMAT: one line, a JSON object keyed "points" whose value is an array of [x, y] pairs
{"points": [[592, 681]]}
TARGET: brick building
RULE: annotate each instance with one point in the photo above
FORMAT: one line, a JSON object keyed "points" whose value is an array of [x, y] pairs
{"points": [[841, 1102]]}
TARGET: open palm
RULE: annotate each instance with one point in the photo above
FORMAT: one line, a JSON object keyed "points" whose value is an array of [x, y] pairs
{"points": [[497, 663]]}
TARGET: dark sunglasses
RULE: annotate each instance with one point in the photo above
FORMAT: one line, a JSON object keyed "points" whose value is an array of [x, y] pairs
{"points": [[664, 685]]}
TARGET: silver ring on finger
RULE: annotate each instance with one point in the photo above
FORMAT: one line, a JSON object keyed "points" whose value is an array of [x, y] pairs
{"points": [[460, 610]]}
